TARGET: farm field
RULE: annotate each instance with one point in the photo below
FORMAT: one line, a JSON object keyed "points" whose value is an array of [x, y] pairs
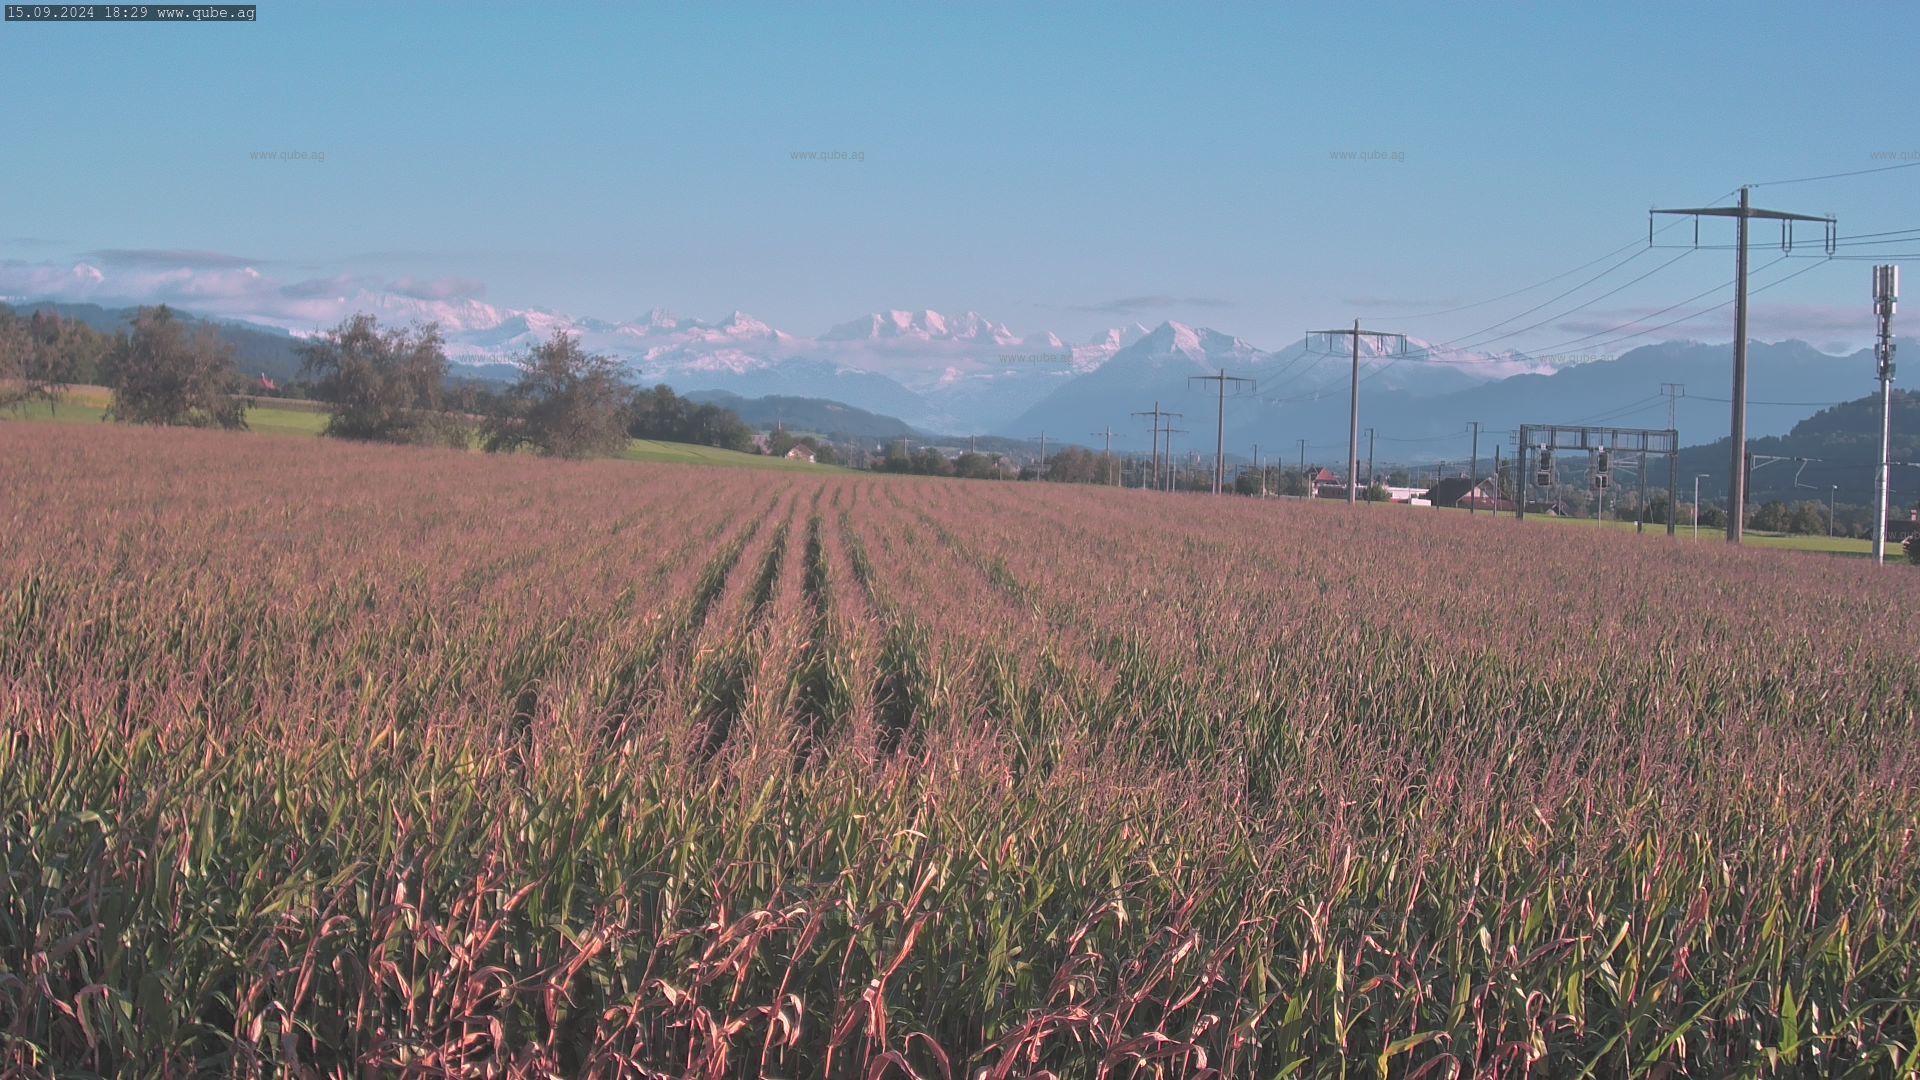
{"points": [[343, 760]]}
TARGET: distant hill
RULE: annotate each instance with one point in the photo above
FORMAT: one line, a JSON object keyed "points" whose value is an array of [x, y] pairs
{"points": [[257, 350], [1846, 440], [803, 414]]}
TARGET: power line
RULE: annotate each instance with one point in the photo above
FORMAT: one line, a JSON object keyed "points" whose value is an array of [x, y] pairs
{"points": [[1635, 242], [1837, 176], [1684, 318], [1851, 240], [1714, 308], [1426, 439], [1803, 404], [1701, 295], [1423, 357], [1564, 314]]}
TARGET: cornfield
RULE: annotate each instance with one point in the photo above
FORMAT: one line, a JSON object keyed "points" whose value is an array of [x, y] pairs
{"points": [[334, 760]]}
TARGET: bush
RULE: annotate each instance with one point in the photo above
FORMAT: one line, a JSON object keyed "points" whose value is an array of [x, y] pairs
{"points": [[1911, 545]]}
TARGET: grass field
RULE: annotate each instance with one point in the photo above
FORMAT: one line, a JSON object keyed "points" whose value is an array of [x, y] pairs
{"points": [[87, 404], [1828, 545], [688, 454], [325, 759]]}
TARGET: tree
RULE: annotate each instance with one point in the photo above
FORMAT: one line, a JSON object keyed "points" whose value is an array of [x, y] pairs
{"points": [[661, 414], [23, 379], [1074, 465], [975, 466], [1377, 492], [162, 374], [567, 403], [929, 462], [1771, 517], [383, 386], [1807, 519], [42, 354], [780, 442]]}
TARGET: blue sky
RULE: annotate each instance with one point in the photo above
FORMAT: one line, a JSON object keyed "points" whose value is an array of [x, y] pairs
{"points": [[1055, 166]]}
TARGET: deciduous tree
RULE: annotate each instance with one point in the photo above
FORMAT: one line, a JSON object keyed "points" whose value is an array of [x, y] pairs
{"points": [[383, 385], [568, 403], [164, 373]]}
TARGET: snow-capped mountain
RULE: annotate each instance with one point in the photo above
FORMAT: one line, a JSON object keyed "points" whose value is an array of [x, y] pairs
{"points": [[925, 327], [961, 372], [950, 372]]}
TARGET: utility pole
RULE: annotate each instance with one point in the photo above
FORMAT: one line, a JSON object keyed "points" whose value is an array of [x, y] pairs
{"points": [[1173, 467], [1832, 494], [1640, 518], [1696, 503], [1157, 413], [1744, 213], [1041, 473], [1886, 296], [1674, 392], [1220, 431], [1108, 432], [1369, 457], [1353, 403], [1498, 478], [1303, 466], [1261, 469], [1473, 467]]}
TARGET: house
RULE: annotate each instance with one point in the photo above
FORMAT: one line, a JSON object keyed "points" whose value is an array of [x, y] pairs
{"points": [[1464, 493], [1326, 485], [800, 452]]}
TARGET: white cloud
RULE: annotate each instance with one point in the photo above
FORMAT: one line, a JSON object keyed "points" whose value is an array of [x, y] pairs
{"points": [[227, 287]]}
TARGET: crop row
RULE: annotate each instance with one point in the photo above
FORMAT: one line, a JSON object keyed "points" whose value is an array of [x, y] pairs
{"points": [[341, 759]]}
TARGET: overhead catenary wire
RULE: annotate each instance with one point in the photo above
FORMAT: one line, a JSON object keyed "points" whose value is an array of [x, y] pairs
{"points": [[1423, 358], [1276, 381], [1635, 242], [1838, 175], [1714, 308], [1426, 356], [1514, 333]]}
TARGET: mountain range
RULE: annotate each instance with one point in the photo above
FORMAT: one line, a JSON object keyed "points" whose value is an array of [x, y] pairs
{"points": [[967, 374]]}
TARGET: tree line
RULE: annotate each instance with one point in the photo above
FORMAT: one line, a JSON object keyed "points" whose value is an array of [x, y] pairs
{"points": [[380, 384]]}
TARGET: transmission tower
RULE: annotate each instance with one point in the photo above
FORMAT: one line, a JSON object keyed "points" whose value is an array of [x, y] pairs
{"points": [[1157, 413], [1745, 213], [1353, 404], [1220, 431]]}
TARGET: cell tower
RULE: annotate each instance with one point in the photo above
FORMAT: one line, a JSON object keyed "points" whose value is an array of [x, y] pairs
{"points": [[1886, 297]]}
